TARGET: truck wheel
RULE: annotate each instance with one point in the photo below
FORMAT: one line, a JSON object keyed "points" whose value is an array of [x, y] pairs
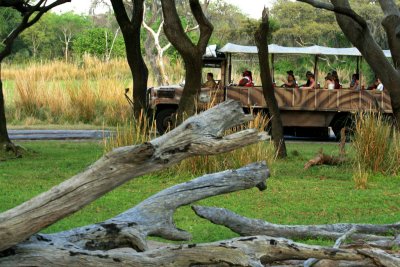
{"points": [[164, 119]]}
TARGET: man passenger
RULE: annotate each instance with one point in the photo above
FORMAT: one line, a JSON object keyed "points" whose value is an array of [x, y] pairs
{"points": [[210, 83]]}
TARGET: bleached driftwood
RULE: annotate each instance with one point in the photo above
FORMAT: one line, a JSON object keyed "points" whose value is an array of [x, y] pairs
{"points": [[246, 226], [127, 231], [198, 135], [243, 251], [154, 216]]}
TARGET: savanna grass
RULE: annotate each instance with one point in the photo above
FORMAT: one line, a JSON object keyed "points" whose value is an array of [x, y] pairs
{"points": [[90, 91], [376, 147], [143, 130], [320, 195]]}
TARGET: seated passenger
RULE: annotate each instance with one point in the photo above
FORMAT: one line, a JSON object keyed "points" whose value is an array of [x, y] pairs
{"points": [[374, 85], [380, 85], [210, 83], [355, 82], [307, 84], [291, 80], [336, 79], [247, 79], [310, 81], [329, 82]]}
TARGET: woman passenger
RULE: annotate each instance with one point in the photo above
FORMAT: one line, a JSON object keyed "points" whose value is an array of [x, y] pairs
{"points": [[355, 82], [247, 79], [336, 79], [311, 81], [291, 80], [329, 82]]}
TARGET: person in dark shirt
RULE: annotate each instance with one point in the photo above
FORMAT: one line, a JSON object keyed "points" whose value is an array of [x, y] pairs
{"points": [[336, 79], [308, 83], [311, 84], [291, 80]]}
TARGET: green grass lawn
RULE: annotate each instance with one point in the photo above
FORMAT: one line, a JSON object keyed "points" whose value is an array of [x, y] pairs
{"points": [[322, 194]]}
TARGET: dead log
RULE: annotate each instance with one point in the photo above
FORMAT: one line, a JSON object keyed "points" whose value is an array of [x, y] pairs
{"points": [[246, 226], [243, 251], [311, 262], [324, 159], [199, 135], [154, 216]]}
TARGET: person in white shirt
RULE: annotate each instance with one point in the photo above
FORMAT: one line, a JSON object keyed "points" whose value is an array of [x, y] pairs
{"points": [[380, 85]]}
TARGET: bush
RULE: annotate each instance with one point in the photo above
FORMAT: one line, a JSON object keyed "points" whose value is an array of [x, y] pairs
{"points": [[376, 144]]}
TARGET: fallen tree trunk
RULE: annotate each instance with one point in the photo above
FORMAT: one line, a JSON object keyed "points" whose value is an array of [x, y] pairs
{"points": [[322, 158], [154, 216], [254, 251], [199, 135], [128, 230], [246, 226]]}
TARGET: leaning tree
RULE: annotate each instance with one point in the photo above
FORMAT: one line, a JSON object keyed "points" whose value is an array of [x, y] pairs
{"points": [[268, 90], [30, 14], [191, 53], [357, 31]]}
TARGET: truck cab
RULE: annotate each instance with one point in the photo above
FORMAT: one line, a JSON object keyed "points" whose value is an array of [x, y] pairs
{"points": [[164, 100]]}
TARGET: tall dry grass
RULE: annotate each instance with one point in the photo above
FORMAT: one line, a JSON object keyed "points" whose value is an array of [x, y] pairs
{"points": [[376, 144], [262, 151], [89, 91], [62, 93], [136, 131]]}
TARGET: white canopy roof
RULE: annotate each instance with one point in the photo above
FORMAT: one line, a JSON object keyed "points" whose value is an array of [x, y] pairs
{"points": [[309, 50]]}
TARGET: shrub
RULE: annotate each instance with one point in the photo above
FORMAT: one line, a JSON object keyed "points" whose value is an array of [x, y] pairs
{"points": [[376, 144]]}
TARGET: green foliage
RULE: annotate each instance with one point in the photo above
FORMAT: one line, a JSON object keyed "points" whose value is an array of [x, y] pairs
{"points": [[97, 42], [301, 24], [9, 19], [231, 25], [294, 196]]}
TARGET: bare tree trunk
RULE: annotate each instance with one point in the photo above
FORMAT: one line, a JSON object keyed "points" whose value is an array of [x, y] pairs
{"points": [[191, 54], [4, 138], [268, 89], [153, 42], [199, 135], [30, 13], [130, 29]]}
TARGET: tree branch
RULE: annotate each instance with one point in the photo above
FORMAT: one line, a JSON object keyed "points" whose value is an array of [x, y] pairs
{"points": [[338, 9], [120, 14], [245, 226], [391, 24], [205, 25], [26, 11]]}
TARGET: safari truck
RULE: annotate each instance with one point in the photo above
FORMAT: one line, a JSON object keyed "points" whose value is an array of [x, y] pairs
{"points": [[307, 111]]}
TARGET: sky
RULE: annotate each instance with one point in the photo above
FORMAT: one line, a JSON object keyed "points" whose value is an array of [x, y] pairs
{"points": [[253, 8]]}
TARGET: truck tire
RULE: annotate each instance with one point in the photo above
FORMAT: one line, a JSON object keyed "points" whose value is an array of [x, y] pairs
{"points": [[164, 119]]}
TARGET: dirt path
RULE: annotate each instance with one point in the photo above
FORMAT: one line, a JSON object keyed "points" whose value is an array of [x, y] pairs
{"points": [[57, 134]]}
